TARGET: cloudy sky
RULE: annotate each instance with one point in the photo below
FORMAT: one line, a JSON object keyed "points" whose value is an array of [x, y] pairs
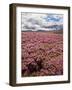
{"points": [[36, 21]]}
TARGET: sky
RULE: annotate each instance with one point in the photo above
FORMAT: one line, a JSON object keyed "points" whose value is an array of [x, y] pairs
{"points": [[41, 21]]}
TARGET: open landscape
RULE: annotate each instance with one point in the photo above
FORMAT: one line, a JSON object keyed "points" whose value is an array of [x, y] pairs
{"points": [[42, 53], [41, 44]]}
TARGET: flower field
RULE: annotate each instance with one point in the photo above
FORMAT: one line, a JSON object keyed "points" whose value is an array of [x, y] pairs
{"points": [[41, 53]]}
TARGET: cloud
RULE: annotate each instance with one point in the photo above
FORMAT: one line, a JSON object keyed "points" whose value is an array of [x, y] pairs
{"points": [[34, 21]]}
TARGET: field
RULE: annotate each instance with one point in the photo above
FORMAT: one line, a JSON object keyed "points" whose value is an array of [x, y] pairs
{"points": [[41, 53]]}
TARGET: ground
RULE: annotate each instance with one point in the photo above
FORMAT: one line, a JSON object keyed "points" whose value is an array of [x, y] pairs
{"points": [[42, 53]]}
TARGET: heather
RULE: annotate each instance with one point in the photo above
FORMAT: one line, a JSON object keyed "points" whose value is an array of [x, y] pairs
{"points": [[41, 53]]}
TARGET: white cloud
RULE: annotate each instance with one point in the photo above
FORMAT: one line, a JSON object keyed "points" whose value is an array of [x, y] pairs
{"points": [[36, 21]]}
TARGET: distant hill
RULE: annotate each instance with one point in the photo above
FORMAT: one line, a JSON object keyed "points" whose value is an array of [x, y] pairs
{"points": [[58, 31], [52, 31]]}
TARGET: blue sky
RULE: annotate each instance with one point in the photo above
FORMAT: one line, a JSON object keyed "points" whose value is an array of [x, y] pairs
{"points": [[52, 18]]}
